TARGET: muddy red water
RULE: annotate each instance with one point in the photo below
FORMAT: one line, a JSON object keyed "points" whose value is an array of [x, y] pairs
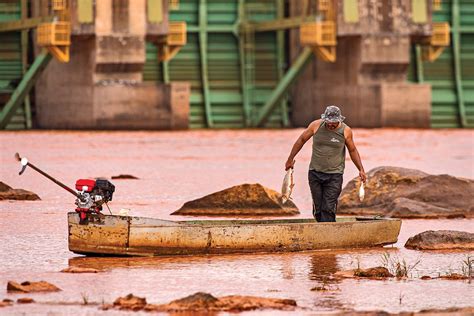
{"points": [[174, 167]]}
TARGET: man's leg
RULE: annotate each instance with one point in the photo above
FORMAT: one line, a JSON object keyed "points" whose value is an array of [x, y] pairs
{"points": [[331, 189], [316, 193]]}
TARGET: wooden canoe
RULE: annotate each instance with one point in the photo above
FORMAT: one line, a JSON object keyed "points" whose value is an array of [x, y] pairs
{"points": [[140, 236]]}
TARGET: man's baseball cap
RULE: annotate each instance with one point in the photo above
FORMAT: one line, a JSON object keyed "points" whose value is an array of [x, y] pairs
{"points": [[332, 115]]}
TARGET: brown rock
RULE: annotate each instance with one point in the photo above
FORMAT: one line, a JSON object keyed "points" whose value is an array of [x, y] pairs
{"points": [[6, 303], [27, 287], [245, 303], [441, 240], [7, 193], [124, 176], [245, 199], [80, 270], [130, 302], [426, 277], [454, 276], [206, 302], [409, 193], [4, 187], [377, 272], [371, 273], [197, 301], [25, 300]]}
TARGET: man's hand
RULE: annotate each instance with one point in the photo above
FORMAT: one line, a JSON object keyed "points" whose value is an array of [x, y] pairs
{"points": [[362, 175], [289, 164]]}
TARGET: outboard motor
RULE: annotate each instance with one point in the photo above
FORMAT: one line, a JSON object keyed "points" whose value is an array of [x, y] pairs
{"points": [[90, 194]]}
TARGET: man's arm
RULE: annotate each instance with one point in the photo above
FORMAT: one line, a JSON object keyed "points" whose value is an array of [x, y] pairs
{"points": [[354, 153], [307, 134]]}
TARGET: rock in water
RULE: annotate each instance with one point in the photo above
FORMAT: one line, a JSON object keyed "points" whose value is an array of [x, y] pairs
{"points": [[200, 301], [27, 287], [124, 176], [80, 270], [8, 193], [25, 300], [376, 273], [441, 240], [131, 302], [409, 193], [245, 199]]}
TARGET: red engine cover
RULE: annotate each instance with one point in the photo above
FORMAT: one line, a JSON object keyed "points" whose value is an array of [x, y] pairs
{"points": [[90, 184]]}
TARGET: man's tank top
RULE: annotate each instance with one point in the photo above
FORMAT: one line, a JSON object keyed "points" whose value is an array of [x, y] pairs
{"points": [[329, 150]]}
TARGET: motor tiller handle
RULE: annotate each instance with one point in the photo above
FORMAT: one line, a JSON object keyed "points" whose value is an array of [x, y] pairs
{"points": [[24, 163]]}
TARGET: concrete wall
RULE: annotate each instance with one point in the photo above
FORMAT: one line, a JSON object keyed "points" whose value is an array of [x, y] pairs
{"points": [[102, 87], [68, 98], [368, 79]]}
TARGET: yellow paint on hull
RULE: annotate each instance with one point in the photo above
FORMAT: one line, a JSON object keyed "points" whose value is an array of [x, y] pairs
{"points": [[138, 236]]}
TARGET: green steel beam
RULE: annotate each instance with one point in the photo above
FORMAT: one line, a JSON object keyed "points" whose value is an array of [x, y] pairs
{"points": [[26, 83], [283, 86], [211, 28], [24, 62], [457, 62], [419, 64], [166, 72], [466, 29], [243, 71], [281, 60], [23, 24], [203, 56], [280, 23]]}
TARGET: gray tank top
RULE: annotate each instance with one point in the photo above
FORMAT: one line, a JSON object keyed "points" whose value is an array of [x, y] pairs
{"points": [[329, 150]]}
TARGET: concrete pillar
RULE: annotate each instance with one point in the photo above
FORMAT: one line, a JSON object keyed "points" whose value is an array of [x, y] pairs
{"points": [[368, 79]]}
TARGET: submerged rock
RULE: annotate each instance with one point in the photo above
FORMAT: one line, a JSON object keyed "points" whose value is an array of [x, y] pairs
{"points": [[409, 193], [131, 302], [124, 176], [25, 300], [80, 270], [206, 302], [454, 276], [6, 302], [245, 199], [8, 193], [370, 273], [27, 287], [377, 272], [441, 240], [203, 302]]}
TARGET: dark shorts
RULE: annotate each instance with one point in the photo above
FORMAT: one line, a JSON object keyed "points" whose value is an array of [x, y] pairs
{"points": [[325, 190]]}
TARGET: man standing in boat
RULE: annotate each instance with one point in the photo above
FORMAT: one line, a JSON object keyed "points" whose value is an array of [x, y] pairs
{"points": [[330, 138]]}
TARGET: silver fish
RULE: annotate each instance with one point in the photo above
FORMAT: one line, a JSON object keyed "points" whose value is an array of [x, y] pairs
{"points": [[361, 191], [287, 186]]}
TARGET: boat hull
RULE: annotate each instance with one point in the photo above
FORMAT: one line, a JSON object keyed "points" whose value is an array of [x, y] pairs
{"points": [[138, 236]]}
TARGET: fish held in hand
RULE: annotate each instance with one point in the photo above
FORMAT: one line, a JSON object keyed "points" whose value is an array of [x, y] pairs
{"points": [[361, 191], [287, 186]]}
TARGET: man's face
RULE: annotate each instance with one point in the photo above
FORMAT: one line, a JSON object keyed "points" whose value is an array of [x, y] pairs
{"points": [[332, 126]]}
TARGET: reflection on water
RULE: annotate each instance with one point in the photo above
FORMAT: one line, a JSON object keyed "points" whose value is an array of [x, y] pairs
{"points": [[176, 167], [323, 265]]}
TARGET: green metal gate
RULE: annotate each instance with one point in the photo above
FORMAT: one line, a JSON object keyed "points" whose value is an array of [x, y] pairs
{"points": [[232, 72], [452, 74], [13, 61]]}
